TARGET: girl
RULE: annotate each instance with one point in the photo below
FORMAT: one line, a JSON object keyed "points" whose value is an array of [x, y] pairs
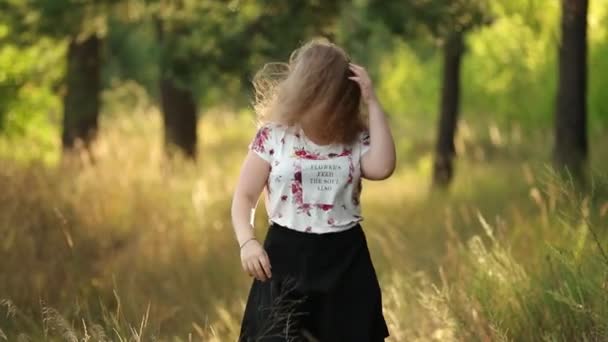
{"points": [[314, 279]]}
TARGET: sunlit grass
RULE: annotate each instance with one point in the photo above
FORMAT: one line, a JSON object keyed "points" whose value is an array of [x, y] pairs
{"points": [[132, 246]]}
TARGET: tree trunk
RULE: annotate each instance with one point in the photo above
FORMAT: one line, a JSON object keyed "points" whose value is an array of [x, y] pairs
{"points": [[443, 168], [570, 151], [179, 117], [81, 101], [177, 100]]}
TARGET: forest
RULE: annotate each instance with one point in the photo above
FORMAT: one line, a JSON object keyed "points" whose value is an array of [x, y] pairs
{"points": [[124, 123]]}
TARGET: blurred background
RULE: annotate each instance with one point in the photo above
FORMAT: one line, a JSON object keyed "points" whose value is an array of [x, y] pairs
{"points": [[123, 125]]}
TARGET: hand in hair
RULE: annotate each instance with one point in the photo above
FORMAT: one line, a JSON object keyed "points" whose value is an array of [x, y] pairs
{"points": [[379, 162], [364, 81]]}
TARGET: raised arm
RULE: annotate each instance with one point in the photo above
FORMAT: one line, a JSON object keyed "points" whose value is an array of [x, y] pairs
{"points": [[379, 161]]}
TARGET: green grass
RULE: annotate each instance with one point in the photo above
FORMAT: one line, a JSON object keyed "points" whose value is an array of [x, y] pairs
{"points": [[135, 248]]}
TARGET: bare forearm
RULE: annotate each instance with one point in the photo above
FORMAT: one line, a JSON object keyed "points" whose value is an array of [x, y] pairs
{"points": [[382, 145], [243, 209]]}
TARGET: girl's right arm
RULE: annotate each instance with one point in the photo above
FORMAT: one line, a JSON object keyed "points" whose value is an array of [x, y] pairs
{"points": [[252, 179], [379, 162]]}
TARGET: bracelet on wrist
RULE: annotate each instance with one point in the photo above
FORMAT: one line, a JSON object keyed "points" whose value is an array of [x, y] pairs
{"points": [[246, 242]]}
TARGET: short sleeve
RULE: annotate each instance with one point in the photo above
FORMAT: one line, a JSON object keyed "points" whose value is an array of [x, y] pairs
{"points": [[364, 141], [263, 142]]}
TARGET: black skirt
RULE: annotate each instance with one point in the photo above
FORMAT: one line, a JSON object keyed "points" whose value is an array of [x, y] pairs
{"points": [[323, 288]]}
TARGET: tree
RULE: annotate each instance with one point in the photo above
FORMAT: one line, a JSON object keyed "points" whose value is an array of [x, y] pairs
{"points": [[81, 101], [443, 169], [446, 22], [177, 99], [83, 25], [204, 42], [571, 147]]}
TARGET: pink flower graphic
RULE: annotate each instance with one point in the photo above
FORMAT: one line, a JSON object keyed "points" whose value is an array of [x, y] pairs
{"points": [[345, 152], [305, 208], [325, 207], [260, 139], [296, 189], [302, 153]]}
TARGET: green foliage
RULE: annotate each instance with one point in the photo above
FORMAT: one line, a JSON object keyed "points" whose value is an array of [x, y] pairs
{"points": [[217, 48], [598, 61], [29, 107], [512, 78], [509, 71], [132, 54], [58, 18], [409, 84], [557, 293], [436, 18]]}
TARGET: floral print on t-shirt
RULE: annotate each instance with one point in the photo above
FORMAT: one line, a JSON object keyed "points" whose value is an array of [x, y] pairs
{"points": [[311, 188]]}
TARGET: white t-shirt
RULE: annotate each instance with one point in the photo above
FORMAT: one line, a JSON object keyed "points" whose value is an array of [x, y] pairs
{"points": [[311, 188]]}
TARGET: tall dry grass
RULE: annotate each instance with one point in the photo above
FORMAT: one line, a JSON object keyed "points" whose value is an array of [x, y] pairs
{"points": [[132, 247]]}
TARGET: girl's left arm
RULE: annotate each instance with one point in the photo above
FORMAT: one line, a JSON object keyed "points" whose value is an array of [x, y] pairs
{"points": [[379, 161]]}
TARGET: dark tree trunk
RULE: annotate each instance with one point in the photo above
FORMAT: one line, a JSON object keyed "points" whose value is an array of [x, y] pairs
{"points": [[570, 151], [81, 101], [179, 117], [443, 168], [177, 103]]}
